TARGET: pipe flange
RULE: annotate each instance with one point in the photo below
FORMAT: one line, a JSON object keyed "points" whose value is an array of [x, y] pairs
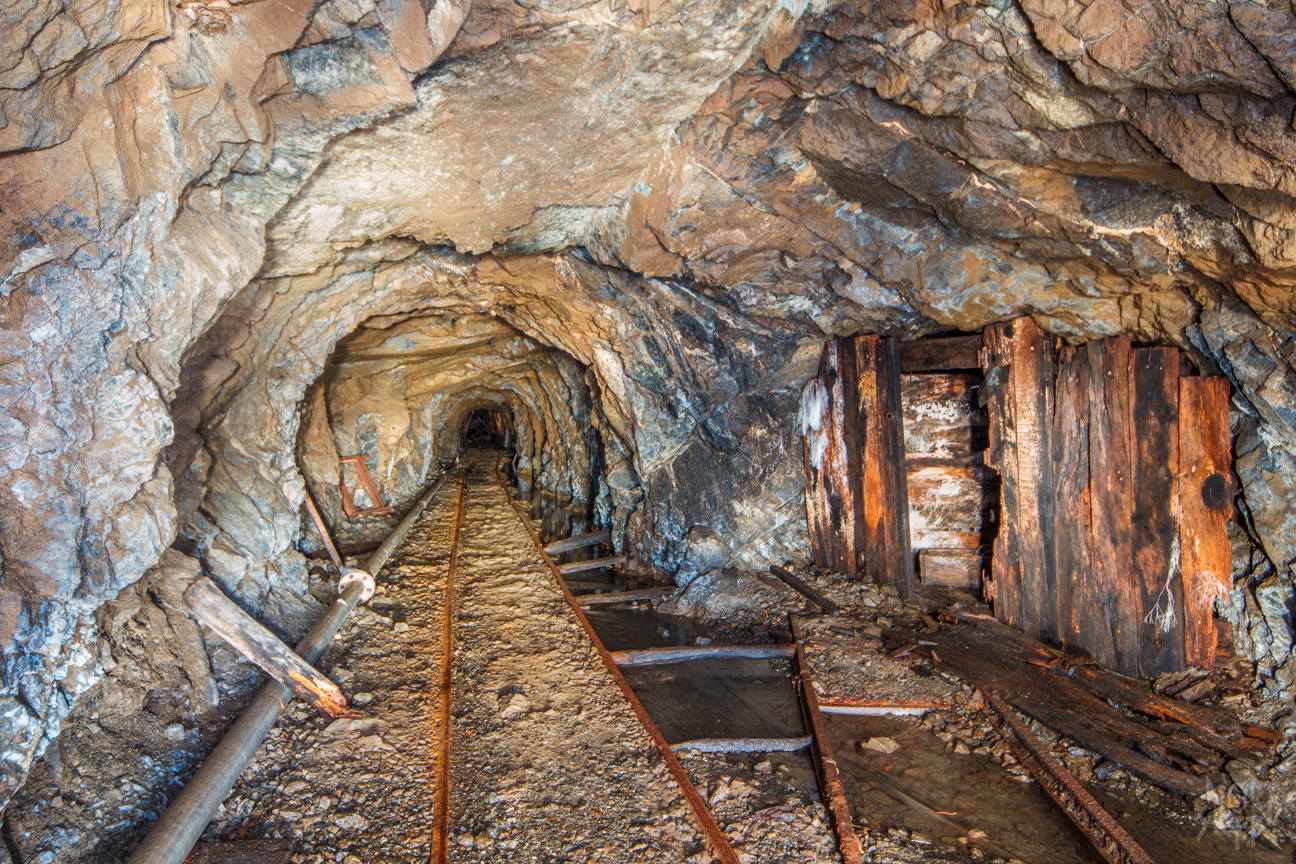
{"points": [[355, 574]]}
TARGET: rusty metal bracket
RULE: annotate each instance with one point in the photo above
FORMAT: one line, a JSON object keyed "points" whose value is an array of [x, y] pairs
{"points": [[1108, 837], [361, 463]]}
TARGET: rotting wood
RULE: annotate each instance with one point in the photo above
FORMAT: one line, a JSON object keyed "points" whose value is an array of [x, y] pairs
{"points": [[1111, 475], [1154, 410], [940, 353], [329, 546], [744, 745], [1205, 505], [720, 844], [950, 568], [830, 501], [210, 605], [685, 653], [627, 596], [580, 585], [1082, 623], [1004, 588], [879, 707], [825, 761], [1108, 837], [986, 662], [882, 487], [942, 415], [799, 586], [579, 541], [1032, 392], [592, 564]]}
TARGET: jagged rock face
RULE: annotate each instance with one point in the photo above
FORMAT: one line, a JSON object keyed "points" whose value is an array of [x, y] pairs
{"points": [[203, 201]]}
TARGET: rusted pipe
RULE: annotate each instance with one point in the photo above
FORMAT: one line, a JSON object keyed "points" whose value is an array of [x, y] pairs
{"points": [[175, 833]]}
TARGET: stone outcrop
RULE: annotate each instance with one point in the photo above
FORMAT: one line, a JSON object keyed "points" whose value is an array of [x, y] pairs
{"points": [[218, 214]]}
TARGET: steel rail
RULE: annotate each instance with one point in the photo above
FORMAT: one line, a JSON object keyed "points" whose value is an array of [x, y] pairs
{"points": [[441, 815], [178, 829], [719, 840], [1108, 837]]}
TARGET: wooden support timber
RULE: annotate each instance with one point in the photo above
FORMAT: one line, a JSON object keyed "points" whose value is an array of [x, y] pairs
{"points": [[856, 496], [580, 541], [329, 546], [744, 745], [685, 653], [210, 605], [360, 461], [1112, 463], [592, 564]]}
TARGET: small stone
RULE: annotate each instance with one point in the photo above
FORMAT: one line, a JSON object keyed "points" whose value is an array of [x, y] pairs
{"points": [[764, 767], [174, 732], [880, 745]]}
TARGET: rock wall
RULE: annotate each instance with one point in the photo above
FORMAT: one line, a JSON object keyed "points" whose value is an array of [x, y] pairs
{"points": [[672, 203]]}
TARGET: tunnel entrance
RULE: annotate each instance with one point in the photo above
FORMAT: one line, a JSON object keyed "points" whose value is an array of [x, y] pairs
{"points": [[487, 428]]}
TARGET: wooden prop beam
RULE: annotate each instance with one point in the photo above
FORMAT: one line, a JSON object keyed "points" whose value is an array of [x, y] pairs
{"points": [[210, 606], [804, 590], [592, 564], [685, 653], [360, 461], [580, 541], [626, 596], [329, 546]]}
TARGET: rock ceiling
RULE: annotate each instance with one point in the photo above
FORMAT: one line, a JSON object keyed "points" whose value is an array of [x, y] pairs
{"points": [[667, 206]]}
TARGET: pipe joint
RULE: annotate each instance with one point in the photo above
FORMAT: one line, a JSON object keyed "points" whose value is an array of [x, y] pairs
{"points": [[355, 574]]}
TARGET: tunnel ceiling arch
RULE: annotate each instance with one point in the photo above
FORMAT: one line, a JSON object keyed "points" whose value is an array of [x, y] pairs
{"points": [[674, 203]]}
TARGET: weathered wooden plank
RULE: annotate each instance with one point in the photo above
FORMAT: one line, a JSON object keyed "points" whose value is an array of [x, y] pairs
{"points": [[942, 416], [828, 454], [592, 564], [946, 495], [883, 494], [940, 353], [950, 540], [1205, 506], [626, 596], [1032, 387], [1154, 405], [1004, 589], [1082, 627], [686, 653], [580, 541], [1110, 498], [816, 431], [210, 606], [951, 568]]}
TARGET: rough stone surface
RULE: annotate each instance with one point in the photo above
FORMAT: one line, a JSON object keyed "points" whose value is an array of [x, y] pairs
{"points": [[675, 202]]}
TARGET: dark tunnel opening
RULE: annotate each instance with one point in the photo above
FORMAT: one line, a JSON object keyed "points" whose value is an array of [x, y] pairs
{"points": [[488, 429]]}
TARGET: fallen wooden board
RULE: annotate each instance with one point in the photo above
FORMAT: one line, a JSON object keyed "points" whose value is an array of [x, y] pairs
{"points": [[685, 653], [804, 590], [210, 605], [580, 541], [744, 745], [626, 596], [592, 564]]}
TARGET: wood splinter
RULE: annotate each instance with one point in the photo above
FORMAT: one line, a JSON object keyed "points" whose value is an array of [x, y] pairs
{"points": [[210, 606]]}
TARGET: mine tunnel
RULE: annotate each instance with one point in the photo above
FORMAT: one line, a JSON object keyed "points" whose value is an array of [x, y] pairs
{"points": [[647, 432]]}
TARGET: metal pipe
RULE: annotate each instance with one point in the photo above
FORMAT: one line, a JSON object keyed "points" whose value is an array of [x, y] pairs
{"points": [[178, 829]]}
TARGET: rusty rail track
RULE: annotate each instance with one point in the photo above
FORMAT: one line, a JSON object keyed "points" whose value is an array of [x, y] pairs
{"points": [[441, 820], [1103, 831], [719, 840]]}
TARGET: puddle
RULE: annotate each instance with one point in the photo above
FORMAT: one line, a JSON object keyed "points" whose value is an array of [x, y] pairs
{"points": [[951, 795]]}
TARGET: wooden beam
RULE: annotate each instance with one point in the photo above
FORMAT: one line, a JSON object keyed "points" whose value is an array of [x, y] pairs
{"points": [[1032, 392], [804, 590], [323, 531], [626, 596], [1004, 590], [592, 564], [1154, 408], [1082, 624], [940, 353], [1205, 505], [951, 568], [685, 653], [744, 745], [1111, 474], [882, 489], [210, 606], [580, 541]]}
